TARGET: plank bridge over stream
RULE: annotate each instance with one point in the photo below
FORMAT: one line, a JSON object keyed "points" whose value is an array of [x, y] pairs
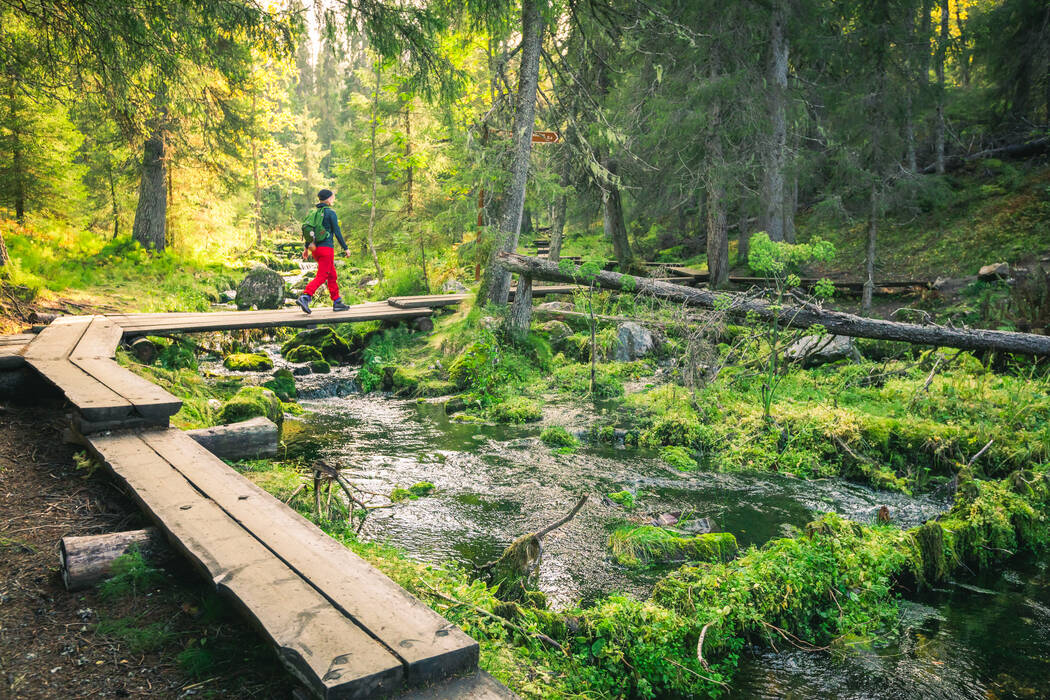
{"points": [[338, 624]]}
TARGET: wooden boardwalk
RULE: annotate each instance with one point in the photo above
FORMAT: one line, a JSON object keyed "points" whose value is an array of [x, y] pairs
{"points": [[338, 624]]}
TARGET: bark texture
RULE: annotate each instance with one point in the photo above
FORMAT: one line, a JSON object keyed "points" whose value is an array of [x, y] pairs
{"points": [[520, 317], [496, 285], [89, 560], [773, 217], [942, 52], [836, 322], [375, 178], [558, 218], [151, 213], [612, 217]]}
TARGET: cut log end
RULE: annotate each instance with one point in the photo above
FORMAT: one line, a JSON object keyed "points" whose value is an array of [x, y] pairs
{"points": [[89, 560]]}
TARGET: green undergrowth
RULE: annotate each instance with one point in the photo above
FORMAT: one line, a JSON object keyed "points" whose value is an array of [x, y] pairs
{"points": [[837, 578], [874, 422], [992, 211]]}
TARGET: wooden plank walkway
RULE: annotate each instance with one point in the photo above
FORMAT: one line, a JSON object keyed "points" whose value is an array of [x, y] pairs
{"points": [[338, 624]]}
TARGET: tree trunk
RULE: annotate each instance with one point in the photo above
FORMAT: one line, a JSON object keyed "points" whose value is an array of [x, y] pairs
{"points": [[612, 217], [942, 50], [717, 236], [496, 285], [836, 322], [113, 196], [520, 317], [3, 250], [869, 258], [151, 212], [909, 137], [558, 219], [89, 560], [743, 237], [250, 439], [409, 173], [375, 178], [773, 216], [790, 207], [964, 51], [257, 213]]}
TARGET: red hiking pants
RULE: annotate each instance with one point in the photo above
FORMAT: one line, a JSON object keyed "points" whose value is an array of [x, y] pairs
{"points": [[325, 258]]}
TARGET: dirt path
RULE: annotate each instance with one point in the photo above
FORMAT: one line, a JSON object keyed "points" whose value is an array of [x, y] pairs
{"points": [[169, 638]]}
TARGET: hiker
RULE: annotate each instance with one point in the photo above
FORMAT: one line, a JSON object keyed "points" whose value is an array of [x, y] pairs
{"points": [[319, 228]]}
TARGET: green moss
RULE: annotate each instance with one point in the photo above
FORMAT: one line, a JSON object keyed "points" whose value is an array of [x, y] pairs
{"points": [[679, 458], [282, 384], [320, 367], [647, 544], [518, 409], [303, 353], [421, 488], [326, 341], [247, 362], [557, 436], [624, 498], [435, 387], [252, 401]]}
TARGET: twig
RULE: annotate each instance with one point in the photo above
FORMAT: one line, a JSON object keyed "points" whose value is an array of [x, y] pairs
{"points": [[567, 518], [538, 635], [792, 639], [295, 493], [980, 452], [698, 675], [700, 646]]}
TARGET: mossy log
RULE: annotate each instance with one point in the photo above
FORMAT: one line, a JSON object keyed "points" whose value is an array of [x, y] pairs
{"points": [[741, 305]]}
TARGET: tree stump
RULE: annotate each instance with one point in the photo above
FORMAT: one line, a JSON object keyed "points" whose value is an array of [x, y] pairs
{"points": [[88, 560]]}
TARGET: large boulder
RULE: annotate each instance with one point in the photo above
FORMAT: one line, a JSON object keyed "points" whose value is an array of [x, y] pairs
{"points": [[262, 288], [555, 331], [633, 341], [814, 350], [252, 401], [993, 272], [248, 362], [330, 344]]}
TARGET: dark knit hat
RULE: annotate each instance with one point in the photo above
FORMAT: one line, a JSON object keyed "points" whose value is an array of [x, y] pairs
{"points": [[323, 195]]}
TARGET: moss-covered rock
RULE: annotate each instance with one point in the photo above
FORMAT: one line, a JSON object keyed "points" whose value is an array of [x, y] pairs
{"points": [[248, 362], [518, 409], [320, 367], [331, 345], [416, 490], [262, 288], [679, 458], [303, 353], [282, 384], [557, 436], [623, 498], [252, 401], [648, 544]]}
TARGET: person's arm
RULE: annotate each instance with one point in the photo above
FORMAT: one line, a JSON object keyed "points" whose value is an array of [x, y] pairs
{"points": [[336, 231]]}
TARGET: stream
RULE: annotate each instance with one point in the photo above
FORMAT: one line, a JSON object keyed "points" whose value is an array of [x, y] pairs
{"points": [[985, 638]]}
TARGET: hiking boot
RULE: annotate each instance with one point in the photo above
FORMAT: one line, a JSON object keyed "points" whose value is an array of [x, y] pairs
{"points": [[304, 302], [338, 305]]}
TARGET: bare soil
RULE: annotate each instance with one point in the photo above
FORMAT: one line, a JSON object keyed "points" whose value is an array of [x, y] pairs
{"points": [[175, 638]]}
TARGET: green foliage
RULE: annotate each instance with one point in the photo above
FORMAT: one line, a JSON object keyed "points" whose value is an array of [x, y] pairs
{"points": [[138, 636], [679, 458], [248, 362], [175, 354], [777, 258], [130, 575], [382, 350], [252, 401], [646, 544], [624, 498], [517, 409], [557, 436], [417, 490]]}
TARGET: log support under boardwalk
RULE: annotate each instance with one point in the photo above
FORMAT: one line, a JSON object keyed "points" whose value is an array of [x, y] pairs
{"points": [[250, 439], [89, 560]]}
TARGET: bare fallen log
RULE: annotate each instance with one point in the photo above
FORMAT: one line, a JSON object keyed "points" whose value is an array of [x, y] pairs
{"points": [[88, 560], [1025, 149], [250, 439], [799, 316]]}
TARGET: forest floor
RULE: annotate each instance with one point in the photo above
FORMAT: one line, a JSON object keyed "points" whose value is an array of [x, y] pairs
{"points": [[169, 638]]}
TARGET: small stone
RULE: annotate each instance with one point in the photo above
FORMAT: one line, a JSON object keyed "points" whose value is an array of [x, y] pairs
{"points": [[814, 350], [633, 342], [302, 371], [454, 286]]}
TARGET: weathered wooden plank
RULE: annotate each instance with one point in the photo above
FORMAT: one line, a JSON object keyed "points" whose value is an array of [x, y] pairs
{"points": [[430, 646], [318, 643], [95, 401], [289, 319], [100, 340], [432, 300], [474, 686], [249, 439], [149, 400], [11, 358], [58, 340], [17, 339]]}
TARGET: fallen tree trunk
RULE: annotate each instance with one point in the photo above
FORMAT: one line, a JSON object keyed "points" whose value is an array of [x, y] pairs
{"points": [[801, 316], [1014, 150], [88, 560], [250, 439]]}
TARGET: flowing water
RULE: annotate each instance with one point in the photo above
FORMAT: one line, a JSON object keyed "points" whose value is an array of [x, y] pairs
{"points": [[975, 639]]}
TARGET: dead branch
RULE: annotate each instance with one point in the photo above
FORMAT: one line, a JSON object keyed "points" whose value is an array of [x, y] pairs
{"points": [[567, 518]]}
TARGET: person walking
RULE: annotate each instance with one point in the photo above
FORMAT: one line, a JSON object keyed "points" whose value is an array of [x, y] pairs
{"points": [[319, 243]]}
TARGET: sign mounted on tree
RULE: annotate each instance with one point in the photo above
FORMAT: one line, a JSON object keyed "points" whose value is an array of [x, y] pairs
{"points": [[545, 137]]}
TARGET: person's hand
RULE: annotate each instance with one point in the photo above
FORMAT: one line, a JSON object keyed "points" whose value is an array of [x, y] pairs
{"points": [[306, 253], [346, 252]]}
